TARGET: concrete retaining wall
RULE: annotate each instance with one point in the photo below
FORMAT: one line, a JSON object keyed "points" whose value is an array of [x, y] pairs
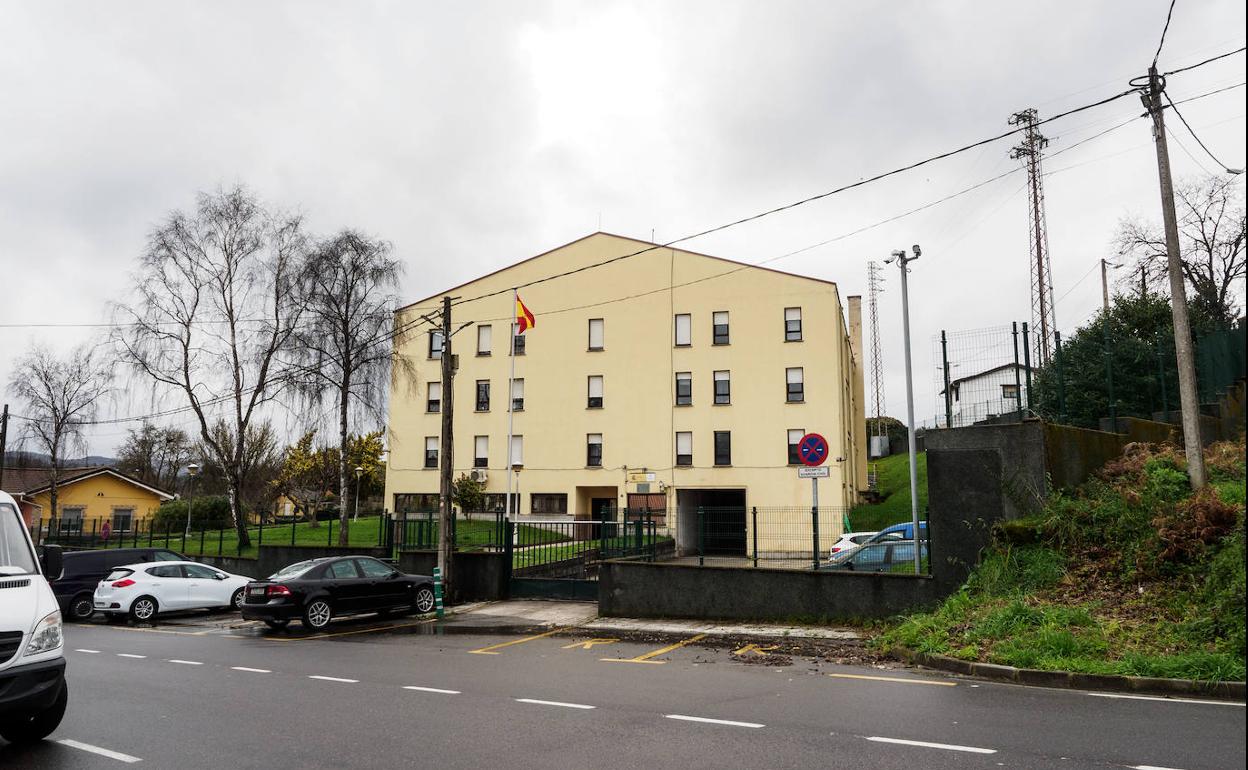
{"points": [[477, 576]]}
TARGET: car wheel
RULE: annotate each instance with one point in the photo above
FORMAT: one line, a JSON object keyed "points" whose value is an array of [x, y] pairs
{"points": [[144, 609], [236, 600], [37, 726], [317, 614], [277, 624], [81, 607], [424, 600]]}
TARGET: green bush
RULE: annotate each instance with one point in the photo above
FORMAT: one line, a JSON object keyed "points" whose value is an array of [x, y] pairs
{"points": [[212, 512]]}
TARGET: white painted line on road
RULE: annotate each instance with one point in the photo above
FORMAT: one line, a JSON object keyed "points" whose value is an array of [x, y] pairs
{"points": [[117, 755], [129, 655], [252, 670], [901, 680], [431, 689], [186, 662], [555, 703], [1166, 700], [1152, 767], [89, 652], [927, 745], [333, 679], [710, 721]]}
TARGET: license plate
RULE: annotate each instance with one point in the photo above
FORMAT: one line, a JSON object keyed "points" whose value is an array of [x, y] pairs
{"points": [[101, 604], [256, 591]]}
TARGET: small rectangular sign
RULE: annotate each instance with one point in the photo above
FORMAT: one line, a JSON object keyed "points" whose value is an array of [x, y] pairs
{"points": [[812, 473]]}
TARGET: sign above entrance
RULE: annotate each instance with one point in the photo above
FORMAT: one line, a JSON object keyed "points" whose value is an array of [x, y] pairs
{"points": [[812, 473], [812, 449]]}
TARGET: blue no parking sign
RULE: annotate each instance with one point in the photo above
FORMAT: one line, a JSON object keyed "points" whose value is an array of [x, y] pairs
{"points": [[812, 449]]}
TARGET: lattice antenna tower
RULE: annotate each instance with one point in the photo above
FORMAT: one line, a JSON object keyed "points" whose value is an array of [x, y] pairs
{"points": [[875, 285], [1030, 152]]}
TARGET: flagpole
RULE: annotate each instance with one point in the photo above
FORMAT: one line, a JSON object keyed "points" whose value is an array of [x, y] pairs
{"points": [[511, 400]]}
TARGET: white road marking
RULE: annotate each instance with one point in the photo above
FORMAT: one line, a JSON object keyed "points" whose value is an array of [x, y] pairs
{"points": [[129, 655], [1152, 767], [117, 755], [710, 721], [186, 662], [89, 652], [431, 689], [1166, 700], [555, 703], [927, 745], [252, 670], [333, 679]]}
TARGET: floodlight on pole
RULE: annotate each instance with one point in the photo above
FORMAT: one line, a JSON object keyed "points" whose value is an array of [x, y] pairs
{"points": [[192, 470], [358, 472]]}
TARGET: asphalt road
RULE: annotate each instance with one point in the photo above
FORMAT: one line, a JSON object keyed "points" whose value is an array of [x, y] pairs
{"points": [[361, 698]]}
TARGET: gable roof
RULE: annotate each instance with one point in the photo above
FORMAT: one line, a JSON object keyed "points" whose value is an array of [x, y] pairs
{"points": [[32, 481], [650, 247]]}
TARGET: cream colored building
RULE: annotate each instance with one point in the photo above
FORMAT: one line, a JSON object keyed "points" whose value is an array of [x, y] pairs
{"points": [[669, 379]]}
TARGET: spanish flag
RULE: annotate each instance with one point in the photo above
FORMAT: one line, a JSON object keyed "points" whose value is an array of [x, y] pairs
{"points": [[524, 317]]}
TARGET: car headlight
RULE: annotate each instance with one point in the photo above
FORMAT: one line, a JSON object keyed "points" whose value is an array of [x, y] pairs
{"points": [[47, 635]]}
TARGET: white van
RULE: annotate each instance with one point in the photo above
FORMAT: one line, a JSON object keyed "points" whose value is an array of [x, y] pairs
{"points": [[33, 693]]}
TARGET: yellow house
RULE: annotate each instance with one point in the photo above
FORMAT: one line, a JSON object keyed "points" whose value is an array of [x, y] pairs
{"points": [[86, 497], [668, 379]]}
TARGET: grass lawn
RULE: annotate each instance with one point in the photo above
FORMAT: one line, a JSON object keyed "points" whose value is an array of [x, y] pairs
{"points": [[894, 487]]}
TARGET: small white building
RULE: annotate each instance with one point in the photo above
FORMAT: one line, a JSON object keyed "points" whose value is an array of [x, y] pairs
{"points": [[985, 395]]}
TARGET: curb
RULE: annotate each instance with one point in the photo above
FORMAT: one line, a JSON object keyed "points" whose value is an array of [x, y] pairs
{"points": [[1139, 685]]}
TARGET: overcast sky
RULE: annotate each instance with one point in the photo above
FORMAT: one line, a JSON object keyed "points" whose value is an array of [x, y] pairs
{"points": [[472, 135]]}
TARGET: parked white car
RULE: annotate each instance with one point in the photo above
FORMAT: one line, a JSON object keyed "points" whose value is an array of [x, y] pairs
{"points": [[850, 541], [146, 590]]}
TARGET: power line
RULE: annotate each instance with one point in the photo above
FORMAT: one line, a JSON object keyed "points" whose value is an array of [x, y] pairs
{"points": [[1164, 30], [1241, 49], [1186, 125]]}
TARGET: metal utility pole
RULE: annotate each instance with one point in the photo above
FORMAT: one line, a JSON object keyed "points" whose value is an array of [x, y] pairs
{"points": [[1189, 401], [1030, 151], [4, 441], [1105, 286], [446, 450], [902, 260], [875, 284]]}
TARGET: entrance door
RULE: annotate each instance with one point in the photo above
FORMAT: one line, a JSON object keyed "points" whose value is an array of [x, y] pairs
{"points": [[603, 509]]}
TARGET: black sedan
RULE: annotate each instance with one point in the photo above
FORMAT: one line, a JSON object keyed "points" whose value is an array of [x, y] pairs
{"points": [[318, 590]]}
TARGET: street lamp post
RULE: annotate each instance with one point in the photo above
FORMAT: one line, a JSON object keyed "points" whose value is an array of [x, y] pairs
{"points": [[902, 260], [358, 472], [192, 470]]}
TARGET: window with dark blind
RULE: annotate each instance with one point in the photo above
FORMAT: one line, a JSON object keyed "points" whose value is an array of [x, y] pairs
{"points": [[483, 395], [431, 451], [435, 344], [795, 436], [593, 450], [548, 502], [723, 447], [684, 388]]}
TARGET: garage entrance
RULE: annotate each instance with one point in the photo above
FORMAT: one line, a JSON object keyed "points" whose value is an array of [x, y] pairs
{"points": [[712, 518]]}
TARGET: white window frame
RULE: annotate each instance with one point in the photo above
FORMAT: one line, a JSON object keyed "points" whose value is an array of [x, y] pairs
{"points": [[598, 334], [485, 340], [480, 451], [682, 329], [517, 451], [684, 440], [595, 387]]}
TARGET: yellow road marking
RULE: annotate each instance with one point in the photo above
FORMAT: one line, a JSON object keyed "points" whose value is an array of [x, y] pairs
{"points": [[589, 643], [754, 649], [894, 679], [345, 633], [490, 650], [646, 658]]}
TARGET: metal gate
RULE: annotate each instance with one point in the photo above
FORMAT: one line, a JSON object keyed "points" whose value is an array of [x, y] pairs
{"points": [[560, 559]]}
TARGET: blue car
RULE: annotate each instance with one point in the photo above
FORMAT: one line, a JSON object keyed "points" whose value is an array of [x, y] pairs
{"points": [[889, 555], [903, 531]]}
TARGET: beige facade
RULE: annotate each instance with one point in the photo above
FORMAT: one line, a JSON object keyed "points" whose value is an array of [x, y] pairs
{"points": [[602, 367]]}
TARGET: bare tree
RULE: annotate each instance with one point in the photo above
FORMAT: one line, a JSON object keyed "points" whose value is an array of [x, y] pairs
{"points": [[218, 301], [155, 455], [60, 396], [1211, 241], [344, 345]]}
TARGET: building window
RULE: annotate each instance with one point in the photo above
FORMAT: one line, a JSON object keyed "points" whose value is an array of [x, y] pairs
{"points": [[719, 327], [122, 519], [481, 452], [434, 402], [1009, 391], [593, 450], [517, 341], [795, 437], [435, 345], [684, 448], [517, 395], [684, 388], [483, 395], [596, 334], [723, 447], [794, 387], [496, 502], [548, 502], [684, 330], [792, 324], [723, 388], [408, 502], [484, 340], [517, 450], [595, 391], [431, 451]]}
